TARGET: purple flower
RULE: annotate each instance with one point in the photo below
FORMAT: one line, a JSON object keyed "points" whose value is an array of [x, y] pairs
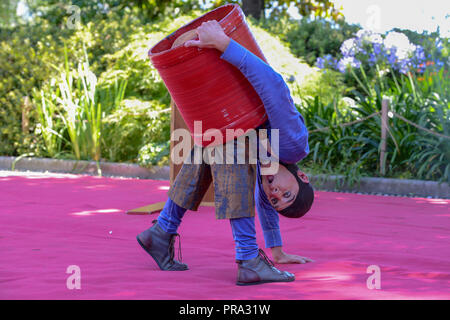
{"points": [[439, 64], [349, 47], [404, 66], [320, 63], [420, 54], [438, 44], [330, 61], [392, 58], [347, 62], [377, 49], [372, 59], [341, 67]]}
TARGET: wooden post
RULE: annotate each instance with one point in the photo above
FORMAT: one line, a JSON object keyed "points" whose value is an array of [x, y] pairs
{"points": [[26, 108], [176, 122], [384, 126]]}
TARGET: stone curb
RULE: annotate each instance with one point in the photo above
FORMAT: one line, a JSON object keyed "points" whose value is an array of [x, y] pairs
{"points": [[109, 169], [383, 186]]}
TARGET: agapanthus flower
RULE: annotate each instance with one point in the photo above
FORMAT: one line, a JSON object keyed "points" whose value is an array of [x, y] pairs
{"points": [[404, 66], [420, 54], [349, 47], [372, 59], [401, 42], [376, 38], [330, 61], [439, 63], [438, 44], [377, 49], [320, 63], [367, 36], [363, 33], [347, 62], [392, 56]]}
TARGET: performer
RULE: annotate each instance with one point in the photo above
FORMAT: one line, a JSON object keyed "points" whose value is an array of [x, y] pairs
{"points": [[287, 192]]}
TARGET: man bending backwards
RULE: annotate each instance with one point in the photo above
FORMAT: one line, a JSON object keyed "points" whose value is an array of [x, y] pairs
{"points": [[238, 186]]}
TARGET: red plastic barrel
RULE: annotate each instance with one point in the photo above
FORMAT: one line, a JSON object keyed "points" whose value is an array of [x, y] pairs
{"points": [[206, 88]]}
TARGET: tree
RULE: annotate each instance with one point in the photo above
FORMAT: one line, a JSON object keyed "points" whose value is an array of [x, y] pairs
{"points": [[56, 10], [8, 12], [254, 8]]}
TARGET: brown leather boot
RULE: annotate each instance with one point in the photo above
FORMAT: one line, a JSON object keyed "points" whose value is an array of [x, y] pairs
{"points": [[260, 270], [160, 246]]}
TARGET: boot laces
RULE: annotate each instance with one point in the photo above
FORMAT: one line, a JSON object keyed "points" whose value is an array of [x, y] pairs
{"points": [[171, 248], [267, 260]]}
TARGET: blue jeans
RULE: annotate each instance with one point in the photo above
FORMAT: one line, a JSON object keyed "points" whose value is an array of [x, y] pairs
{"points": [[243, 229]]}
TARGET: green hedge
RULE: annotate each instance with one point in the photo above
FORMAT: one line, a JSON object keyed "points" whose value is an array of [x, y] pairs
{"points": [[116, 46]]}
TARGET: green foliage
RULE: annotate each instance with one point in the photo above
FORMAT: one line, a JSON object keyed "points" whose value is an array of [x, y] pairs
{"points": [[131, 127], [49, 125], [303, 80], [56, 11], [411, 152], [125, 116], [27, 56], [8, 12], [427, 103], [311, 39], [317, 8], [32, 58]]}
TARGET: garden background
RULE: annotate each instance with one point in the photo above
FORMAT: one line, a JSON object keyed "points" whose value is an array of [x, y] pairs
{"points": [[76, 83]]}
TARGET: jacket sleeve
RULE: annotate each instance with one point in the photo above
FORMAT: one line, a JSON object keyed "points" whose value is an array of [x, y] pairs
{"points": [[269, 219]]}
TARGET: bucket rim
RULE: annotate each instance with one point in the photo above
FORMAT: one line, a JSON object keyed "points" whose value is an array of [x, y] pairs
{"points": [[234, 6]]}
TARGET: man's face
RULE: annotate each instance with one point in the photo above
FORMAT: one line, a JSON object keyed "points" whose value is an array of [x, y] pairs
{"points": [[282, 188]]}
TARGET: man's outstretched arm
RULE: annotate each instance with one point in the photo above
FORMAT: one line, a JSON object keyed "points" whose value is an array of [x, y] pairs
{"points": [[277, 100], [270, 86]]}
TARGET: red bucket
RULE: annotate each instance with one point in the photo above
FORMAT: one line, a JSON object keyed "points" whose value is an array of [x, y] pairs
{"points": [[206, 88]]}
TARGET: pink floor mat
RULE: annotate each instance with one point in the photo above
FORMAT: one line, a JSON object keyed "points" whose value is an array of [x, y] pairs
{"points": [[49, 222]]}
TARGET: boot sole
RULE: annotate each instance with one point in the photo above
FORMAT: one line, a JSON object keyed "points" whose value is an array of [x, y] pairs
{"points": [[261, 282], [146, 250]]}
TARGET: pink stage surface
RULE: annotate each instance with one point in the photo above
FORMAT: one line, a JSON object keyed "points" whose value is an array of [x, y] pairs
{"points": [[49, 222]]}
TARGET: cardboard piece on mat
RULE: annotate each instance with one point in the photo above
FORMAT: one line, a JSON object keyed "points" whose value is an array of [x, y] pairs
{"points": [[152, 208], [175, 123]]}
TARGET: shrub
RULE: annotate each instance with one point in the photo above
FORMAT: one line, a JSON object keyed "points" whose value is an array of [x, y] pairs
{"points": [[389, 67], [27, 56], [311, 38]]}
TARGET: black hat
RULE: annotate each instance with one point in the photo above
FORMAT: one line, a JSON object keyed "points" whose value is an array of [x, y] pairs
{"points": [[304, 199]]}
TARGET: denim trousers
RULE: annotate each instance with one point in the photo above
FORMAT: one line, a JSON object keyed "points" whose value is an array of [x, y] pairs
{"points": [[243, 229]]}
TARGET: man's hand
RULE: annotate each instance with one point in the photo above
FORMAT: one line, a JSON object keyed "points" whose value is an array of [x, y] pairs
{"points": [[279, 256], [210, 35]]}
